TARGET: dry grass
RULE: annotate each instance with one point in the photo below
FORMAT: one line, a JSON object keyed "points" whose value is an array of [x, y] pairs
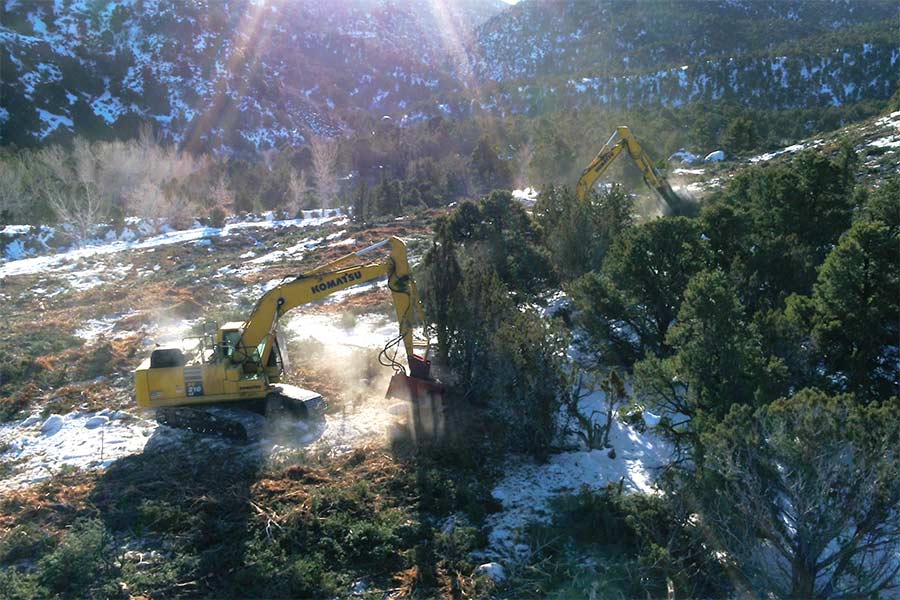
{"points": [[52, 505]]}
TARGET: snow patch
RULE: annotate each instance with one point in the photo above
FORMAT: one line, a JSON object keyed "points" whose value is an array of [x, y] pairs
{"points": [[51, 262], [527, 488], [527, 196], [83, 440]]}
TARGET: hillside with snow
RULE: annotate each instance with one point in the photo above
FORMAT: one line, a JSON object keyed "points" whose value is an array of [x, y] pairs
{"points": [[237, 75], [242, 76]]}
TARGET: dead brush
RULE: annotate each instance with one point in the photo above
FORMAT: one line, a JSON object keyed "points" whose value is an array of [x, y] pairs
{"points": [[594, 432], [93, 395], [52, 505]]}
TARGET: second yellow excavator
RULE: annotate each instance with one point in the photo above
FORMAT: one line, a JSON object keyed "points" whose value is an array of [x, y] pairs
{"points": [[244, 362], [623, 140]]}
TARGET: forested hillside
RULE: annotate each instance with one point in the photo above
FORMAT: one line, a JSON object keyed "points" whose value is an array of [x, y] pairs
{"points": [[239, 77], [231, 76]]}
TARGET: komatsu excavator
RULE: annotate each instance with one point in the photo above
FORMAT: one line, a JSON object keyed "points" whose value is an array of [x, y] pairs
{"points": [[244, 360], [623, 140]]}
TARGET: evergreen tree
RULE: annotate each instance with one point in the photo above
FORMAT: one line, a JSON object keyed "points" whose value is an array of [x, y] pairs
{"points": [[802, 495], [361, 204], [740, 135], [579, 233], [627, 307], [782, 222], [491, 172], [716, 363], [854, 308]]}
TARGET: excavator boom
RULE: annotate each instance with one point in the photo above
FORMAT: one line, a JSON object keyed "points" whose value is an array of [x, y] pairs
{"points": [[623, 140]]}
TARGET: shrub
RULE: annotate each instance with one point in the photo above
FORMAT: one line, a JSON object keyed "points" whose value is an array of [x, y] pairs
{"points": [[77, 563], [629, 545], [22, 542]]}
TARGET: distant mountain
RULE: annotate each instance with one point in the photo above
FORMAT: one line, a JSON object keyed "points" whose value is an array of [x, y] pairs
{"points": [[776, 53], [240, 75], [230, 74]]}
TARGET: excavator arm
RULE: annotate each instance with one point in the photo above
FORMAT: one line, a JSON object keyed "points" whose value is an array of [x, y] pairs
{"points": [[623, 140], [258, 334]]}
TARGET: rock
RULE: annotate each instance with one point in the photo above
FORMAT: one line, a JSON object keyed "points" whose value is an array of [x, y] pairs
{"points": [[32, 420], [717, 156], [492, 570], [399, 409], [53, 424], [97, 421], [359, 588], [685, 157], [611, 453]]}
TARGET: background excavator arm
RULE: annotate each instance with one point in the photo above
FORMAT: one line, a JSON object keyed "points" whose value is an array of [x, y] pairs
{"points": [[610, 151]]}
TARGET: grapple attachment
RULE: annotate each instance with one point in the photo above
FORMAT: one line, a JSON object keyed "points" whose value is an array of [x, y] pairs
{"points": [[425, 397]]}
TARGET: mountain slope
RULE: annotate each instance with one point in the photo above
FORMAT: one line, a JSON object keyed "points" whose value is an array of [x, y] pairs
{"points": [[773, 54], [235, 74]]}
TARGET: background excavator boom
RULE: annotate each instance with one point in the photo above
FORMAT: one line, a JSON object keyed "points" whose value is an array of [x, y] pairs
{"points": [[623, 140]]}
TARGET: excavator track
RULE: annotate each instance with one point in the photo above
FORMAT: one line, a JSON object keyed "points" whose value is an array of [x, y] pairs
{"points": [[200, 421], [283, 405]]}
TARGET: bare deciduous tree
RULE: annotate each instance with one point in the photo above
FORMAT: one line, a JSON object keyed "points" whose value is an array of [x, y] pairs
{"points": [[12, 192], [141, 177], [221, 195], [298, 189], [71, 187], [325, 168]]}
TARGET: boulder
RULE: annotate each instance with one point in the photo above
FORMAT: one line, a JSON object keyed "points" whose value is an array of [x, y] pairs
{"points": [[492, 570], [32, 420], [685, 157], [53, 424], [96, 421]]}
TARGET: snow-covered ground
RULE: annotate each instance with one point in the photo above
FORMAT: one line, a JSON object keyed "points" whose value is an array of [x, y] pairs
{"points": [[788, 150], [527, 488], [527, 196], [59, 260], [36, 448]]}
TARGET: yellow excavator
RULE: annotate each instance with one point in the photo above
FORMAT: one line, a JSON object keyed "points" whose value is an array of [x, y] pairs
{"points": [[242, 361], [623, 140]]}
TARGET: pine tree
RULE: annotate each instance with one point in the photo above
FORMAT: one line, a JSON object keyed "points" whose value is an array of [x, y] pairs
{"points": [[360, 204]]}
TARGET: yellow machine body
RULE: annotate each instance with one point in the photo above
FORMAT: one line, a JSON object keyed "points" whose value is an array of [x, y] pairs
{"points": [[243, 359]]}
